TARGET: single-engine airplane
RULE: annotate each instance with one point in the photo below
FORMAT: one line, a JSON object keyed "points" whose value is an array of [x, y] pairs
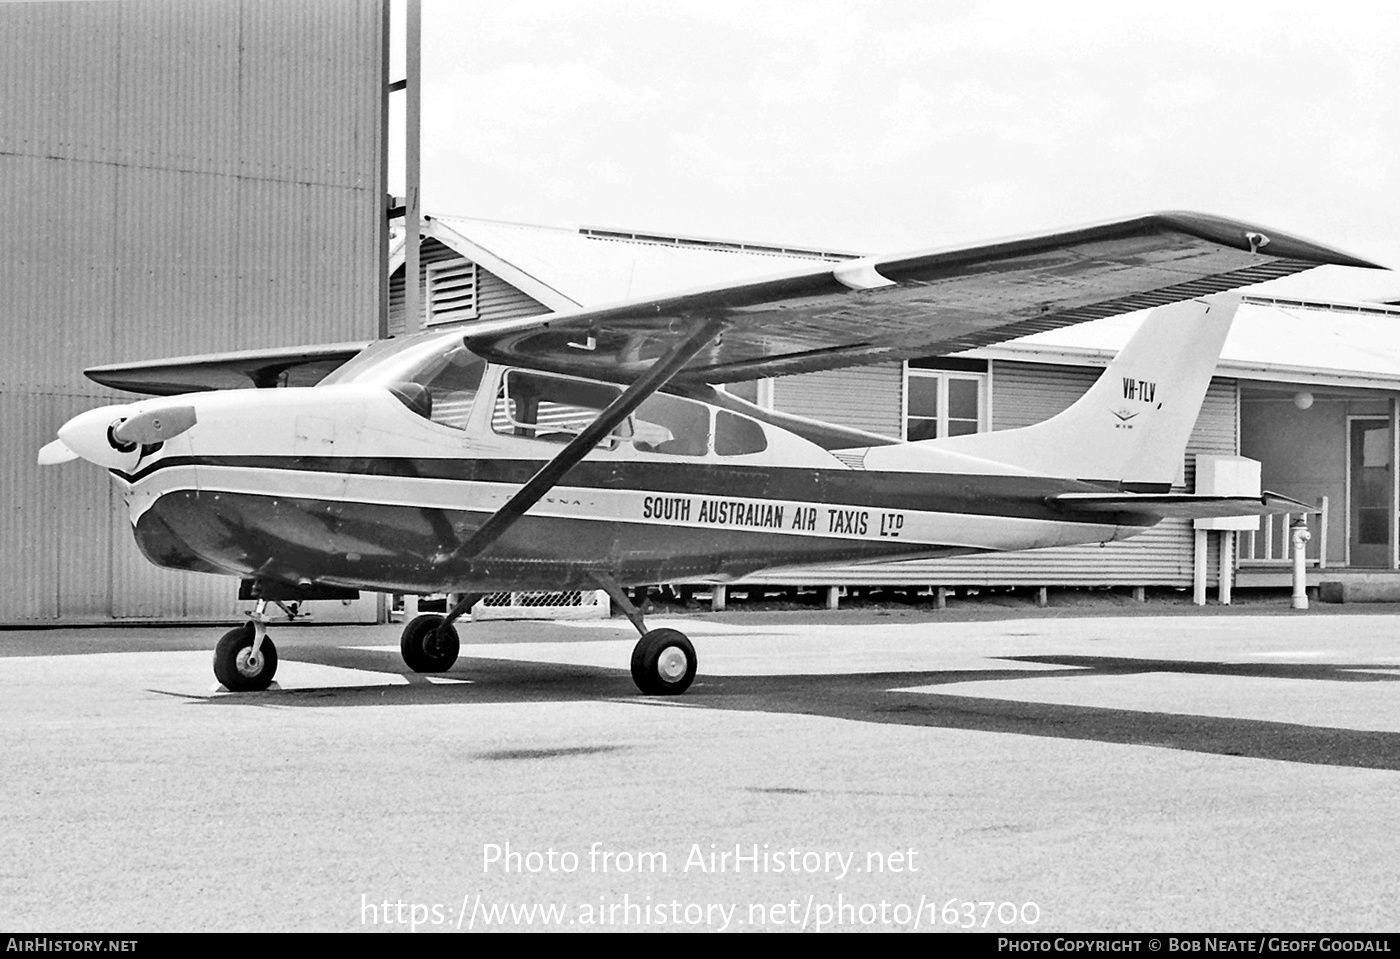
{"points": [[592, 449]]}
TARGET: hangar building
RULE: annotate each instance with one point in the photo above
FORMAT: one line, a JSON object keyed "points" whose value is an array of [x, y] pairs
{"points": [[177, 178]]}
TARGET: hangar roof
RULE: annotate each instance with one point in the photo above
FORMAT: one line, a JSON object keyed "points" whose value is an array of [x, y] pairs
{"points": [[567, 267], [1273, 338]]}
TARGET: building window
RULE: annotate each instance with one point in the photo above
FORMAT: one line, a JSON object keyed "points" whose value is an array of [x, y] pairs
{"points": [[451, 292], [757, 392], [942, 403]]}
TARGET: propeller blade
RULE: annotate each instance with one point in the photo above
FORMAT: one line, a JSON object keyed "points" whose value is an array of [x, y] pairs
{"points": [[155, 426], [55, 453]]}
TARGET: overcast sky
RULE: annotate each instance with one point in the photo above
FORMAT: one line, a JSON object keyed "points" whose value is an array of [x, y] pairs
{"points": [[887, 126]]}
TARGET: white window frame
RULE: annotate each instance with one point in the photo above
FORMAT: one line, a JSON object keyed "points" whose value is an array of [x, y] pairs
{"points": [[943, 376], [450, 277], [763, 393]]}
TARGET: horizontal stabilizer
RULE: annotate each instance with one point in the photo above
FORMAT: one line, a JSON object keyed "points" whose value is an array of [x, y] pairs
{"points": [[1180, 505], [291, 366]]}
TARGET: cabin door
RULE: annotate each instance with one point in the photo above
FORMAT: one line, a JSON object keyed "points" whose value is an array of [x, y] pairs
{"points": [[1368, 493]]}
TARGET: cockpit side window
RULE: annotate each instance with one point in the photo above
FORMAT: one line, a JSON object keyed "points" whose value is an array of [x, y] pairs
{"points": [[543, 407]]}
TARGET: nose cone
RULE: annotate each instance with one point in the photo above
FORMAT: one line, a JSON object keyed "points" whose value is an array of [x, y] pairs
{"points": [[112, 436], [88, 435]]}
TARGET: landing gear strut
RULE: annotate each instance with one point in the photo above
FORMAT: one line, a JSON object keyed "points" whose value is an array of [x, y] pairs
{"points": [[245, 659], [663, 661]]}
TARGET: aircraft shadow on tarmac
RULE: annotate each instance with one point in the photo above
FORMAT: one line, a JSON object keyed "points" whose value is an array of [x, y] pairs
{"points": [[876, 698]]}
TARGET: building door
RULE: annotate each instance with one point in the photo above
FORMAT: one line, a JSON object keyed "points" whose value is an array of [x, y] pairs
{"points": [[1369, 484]]}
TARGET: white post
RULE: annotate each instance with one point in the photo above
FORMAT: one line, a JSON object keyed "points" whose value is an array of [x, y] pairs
{"points": [[717, 597], [1198, 575], [1227, 565], [1300, 574]]}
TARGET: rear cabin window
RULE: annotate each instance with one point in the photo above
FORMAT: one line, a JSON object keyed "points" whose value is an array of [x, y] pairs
{"points": [[737, 435]]}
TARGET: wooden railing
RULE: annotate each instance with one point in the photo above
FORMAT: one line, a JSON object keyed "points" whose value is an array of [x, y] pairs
{"points": [[1272, 543]]}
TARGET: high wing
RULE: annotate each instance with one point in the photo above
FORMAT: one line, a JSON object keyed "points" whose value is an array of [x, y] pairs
{"points": [[923, 304], [845, 314]]}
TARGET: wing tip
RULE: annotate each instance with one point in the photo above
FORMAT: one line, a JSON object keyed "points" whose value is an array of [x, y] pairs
{"points": [[215, 371], [1259, 239]]}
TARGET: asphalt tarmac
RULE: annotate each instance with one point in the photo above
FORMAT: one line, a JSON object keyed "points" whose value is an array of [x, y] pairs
{"points": [[835, 771]]}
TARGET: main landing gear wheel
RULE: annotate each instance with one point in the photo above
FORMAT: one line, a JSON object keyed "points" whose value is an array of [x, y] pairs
{"points": [[663, 663], [428, 646], [237, 667]]}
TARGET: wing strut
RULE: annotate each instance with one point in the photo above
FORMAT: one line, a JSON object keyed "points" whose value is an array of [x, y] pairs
{"points": [[656, 376]]}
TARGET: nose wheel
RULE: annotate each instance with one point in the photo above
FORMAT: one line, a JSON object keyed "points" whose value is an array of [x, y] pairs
{"points": [[244, 661]]}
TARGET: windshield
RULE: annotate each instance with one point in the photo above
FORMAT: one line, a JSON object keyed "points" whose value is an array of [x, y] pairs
{"points": [[435, 376], [394, 360]]}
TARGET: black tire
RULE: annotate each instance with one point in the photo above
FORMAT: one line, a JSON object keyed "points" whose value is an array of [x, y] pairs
{"points": [[657, 669], [231, 666], [428, 646]]}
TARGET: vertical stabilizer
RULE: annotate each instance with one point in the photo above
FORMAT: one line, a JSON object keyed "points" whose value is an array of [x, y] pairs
{"points": [[1133, 424]]}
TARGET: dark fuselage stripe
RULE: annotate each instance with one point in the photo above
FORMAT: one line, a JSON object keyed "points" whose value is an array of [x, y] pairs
{"points": [[974, 494]]}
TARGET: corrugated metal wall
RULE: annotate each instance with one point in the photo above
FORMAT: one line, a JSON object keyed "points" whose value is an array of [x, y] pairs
{"points": [[495, 298], [863, 397], [177, 178], [1022, 394]]}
